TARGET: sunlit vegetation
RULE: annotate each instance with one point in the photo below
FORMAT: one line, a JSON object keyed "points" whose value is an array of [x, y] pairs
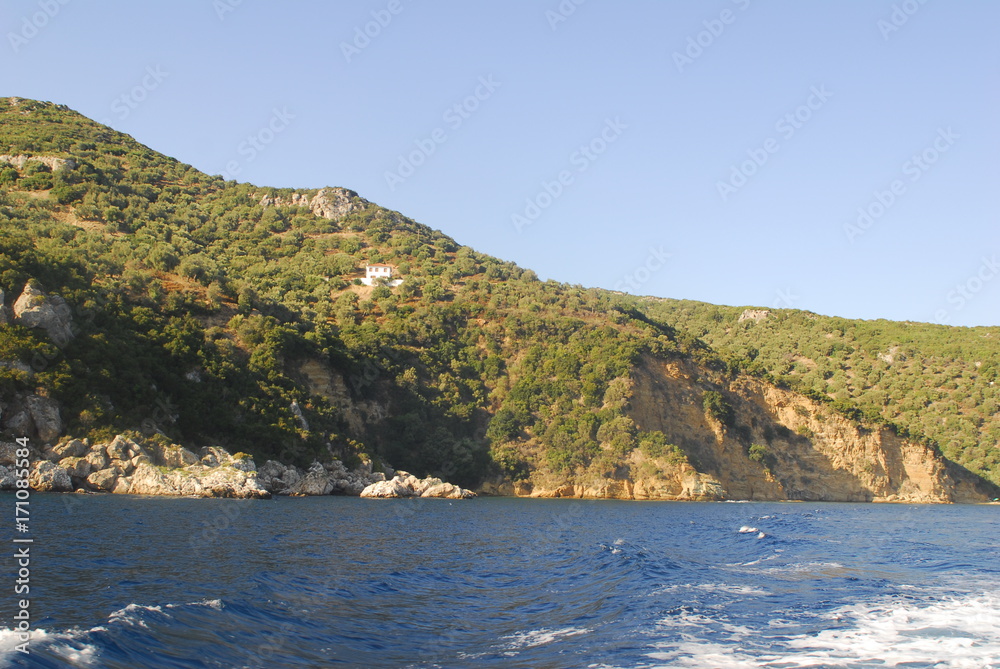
{"points": [[197, 308], [930, 381]]}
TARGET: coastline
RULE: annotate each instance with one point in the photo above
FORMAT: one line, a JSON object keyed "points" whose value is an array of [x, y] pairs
{"points": [[129, 465]]}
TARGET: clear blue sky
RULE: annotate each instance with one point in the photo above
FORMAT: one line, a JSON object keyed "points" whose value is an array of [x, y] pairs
{"points": [[654, 206]]}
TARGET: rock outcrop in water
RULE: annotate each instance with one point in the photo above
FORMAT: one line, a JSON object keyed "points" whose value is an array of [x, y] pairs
{"points": [[331, 478], [404, 484]]}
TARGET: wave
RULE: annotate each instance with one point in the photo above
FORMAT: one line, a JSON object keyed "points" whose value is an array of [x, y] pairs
{"points": [[540, 637], [84, 647], [66, 647], [726, 588], [951, 632]]}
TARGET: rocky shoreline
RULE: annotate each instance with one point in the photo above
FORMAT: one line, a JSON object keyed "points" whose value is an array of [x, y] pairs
{"points": [[128, 466]]}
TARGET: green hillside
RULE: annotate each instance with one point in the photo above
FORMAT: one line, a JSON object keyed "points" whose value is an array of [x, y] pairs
{"points": [[932, 381], [215, 312]]}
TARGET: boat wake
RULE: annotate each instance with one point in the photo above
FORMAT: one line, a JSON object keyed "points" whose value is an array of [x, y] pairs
{"points": [[951, 632]]}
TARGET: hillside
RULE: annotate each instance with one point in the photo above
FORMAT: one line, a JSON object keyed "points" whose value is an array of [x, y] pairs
{"points": [[210, 312], [933, 381]]}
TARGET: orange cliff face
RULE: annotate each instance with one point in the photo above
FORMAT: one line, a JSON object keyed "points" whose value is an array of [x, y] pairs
{"points": [[777, 445]]}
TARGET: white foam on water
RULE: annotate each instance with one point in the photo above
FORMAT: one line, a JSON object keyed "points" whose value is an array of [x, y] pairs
{"points": [[713, 587], [705, 655], [946, 633], [65, 645], [752, 563], [539, 637], [820, 569], [10, 639], [210, 603], [131, 614]]}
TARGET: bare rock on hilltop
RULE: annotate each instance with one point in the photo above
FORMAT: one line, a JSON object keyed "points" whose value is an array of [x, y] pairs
{"points": [[35, 309], [329, 203]]}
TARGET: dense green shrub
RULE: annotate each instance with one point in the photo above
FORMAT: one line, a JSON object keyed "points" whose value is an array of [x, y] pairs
{"points": [[717, 407]]}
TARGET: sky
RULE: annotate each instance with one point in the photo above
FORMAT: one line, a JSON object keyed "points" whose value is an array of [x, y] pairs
{"points": [[837, 157]]}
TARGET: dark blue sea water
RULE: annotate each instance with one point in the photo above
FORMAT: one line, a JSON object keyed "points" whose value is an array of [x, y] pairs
{"points": [[317, 582]]}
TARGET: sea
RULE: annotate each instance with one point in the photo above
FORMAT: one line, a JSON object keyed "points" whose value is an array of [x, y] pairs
{"points": [[135, 582]]}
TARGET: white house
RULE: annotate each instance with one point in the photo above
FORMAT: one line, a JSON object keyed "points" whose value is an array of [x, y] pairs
{"points": [[381, 274]]}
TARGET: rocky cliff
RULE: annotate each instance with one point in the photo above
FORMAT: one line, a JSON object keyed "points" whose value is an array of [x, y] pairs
{"points": [[329, 203], [773, 444], [131, 465]]}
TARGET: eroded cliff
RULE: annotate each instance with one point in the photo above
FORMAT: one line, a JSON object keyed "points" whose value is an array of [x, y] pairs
{"points": [[772, 444]]}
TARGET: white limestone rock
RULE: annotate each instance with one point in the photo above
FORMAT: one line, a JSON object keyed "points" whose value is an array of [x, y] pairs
{"points": [[213, 456], [408, 485], [449, 491], [123, 448], [35, 309], [315, 482], [104, 479], [74, 448], [173, 456], [243, 464], [46, 476], [98, 458], [78, 468], [148, 480], [387, 489], [123, 486]]}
